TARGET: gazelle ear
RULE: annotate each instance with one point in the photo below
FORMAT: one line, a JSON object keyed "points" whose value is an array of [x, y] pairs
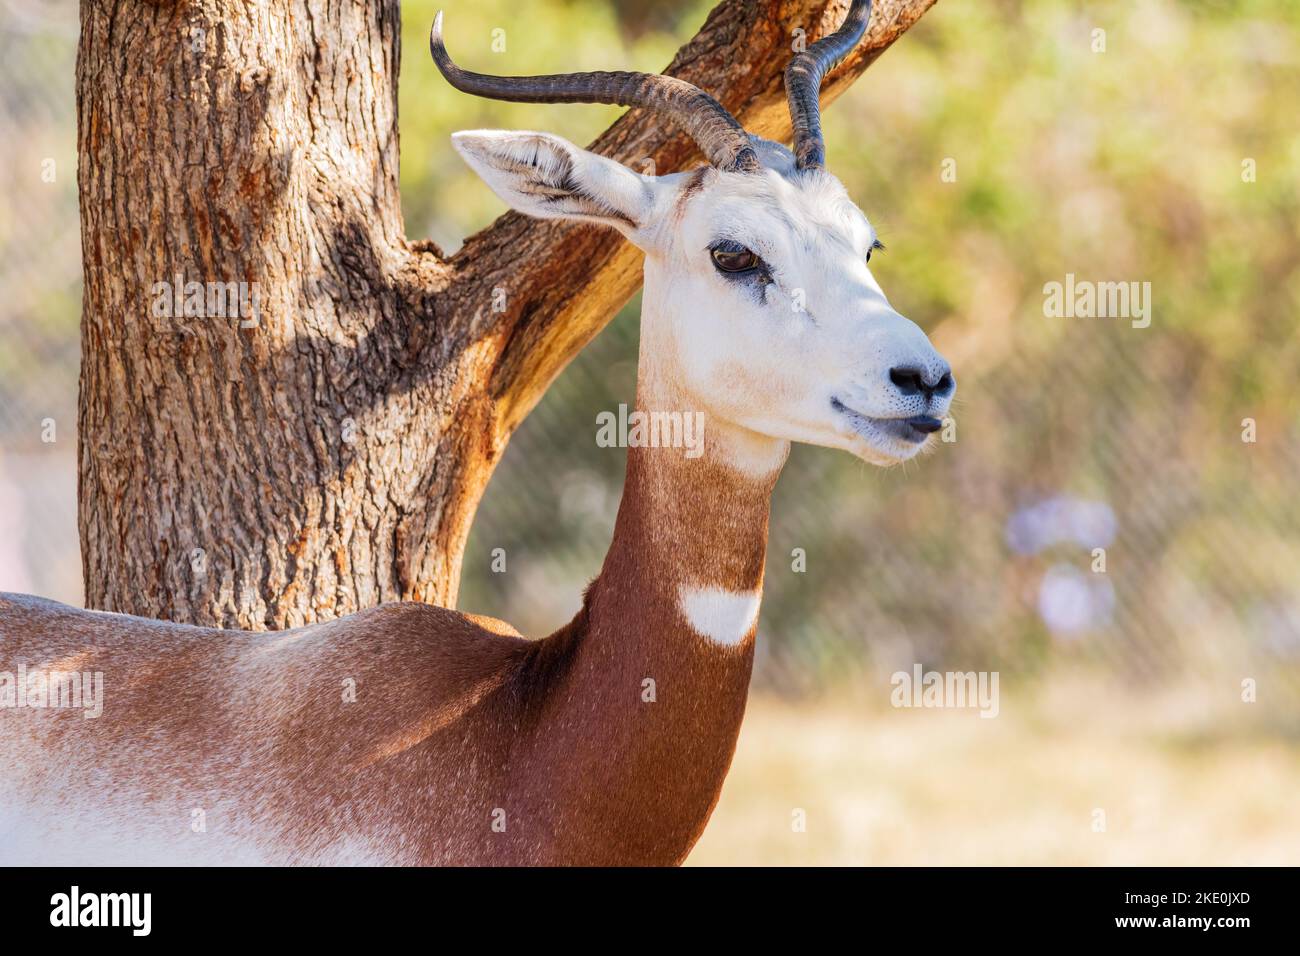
{"points": [[548, 177]]}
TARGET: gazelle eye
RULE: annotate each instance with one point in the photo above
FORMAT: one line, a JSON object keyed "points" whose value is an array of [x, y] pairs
{"points": [[733, 257], [874, 246]]}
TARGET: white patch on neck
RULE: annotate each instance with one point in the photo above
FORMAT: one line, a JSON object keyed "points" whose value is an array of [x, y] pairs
{"points": [[724, 617]]}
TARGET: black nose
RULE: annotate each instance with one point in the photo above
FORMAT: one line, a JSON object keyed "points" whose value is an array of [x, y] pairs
{"points": [[911, 380]]}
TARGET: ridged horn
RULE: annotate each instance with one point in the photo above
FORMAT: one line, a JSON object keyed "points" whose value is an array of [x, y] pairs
{"points": [[722, 140], [803, 83]]}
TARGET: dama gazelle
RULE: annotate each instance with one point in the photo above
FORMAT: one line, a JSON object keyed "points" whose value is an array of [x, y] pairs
{"points": [[414, 734]]}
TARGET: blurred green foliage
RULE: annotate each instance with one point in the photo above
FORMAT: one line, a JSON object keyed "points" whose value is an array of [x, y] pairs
{"points": [[1115, 157]]}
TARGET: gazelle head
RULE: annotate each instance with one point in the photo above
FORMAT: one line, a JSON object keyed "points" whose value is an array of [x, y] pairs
{"points": [[760, 303]]}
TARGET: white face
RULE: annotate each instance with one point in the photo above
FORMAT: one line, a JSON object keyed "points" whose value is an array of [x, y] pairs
{"points": [[767, 310]]}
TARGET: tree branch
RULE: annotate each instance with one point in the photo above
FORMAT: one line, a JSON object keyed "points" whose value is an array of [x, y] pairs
{"points": [[563, 282]]}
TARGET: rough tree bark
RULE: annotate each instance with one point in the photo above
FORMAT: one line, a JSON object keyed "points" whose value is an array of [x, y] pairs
{"points": [[328, 453]]}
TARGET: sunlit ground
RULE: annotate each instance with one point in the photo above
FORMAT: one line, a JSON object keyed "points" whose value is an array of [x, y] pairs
{"points": [[1186, 776]]}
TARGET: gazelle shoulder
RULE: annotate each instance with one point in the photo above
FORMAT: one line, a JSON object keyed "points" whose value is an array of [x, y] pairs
{"points": [[430, 651], [422, 629]]}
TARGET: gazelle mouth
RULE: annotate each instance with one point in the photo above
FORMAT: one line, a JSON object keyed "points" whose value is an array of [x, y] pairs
{"points": [[913, 429], [926, 424]]}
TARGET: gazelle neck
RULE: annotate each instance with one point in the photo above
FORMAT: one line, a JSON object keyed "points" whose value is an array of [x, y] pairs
{"points": [[652, 677], [694, 518], [691, 533]]}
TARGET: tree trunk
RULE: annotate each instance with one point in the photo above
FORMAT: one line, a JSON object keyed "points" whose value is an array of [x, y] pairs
{"points": [[324, 447]]}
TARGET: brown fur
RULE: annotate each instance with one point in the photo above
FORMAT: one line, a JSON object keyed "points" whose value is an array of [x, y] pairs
{"points": [[454, 720]]}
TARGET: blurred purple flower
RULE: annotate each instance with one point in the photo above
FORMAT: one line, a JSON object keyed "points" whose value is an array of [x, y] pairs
{"points": [[1072, 601], [1276, 625], [1089, 524]]}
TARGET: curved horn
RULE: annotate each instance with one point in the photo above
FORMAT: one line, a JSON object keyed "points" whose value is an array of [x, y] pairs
{"points": [[716, 132], [803, 83]]}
